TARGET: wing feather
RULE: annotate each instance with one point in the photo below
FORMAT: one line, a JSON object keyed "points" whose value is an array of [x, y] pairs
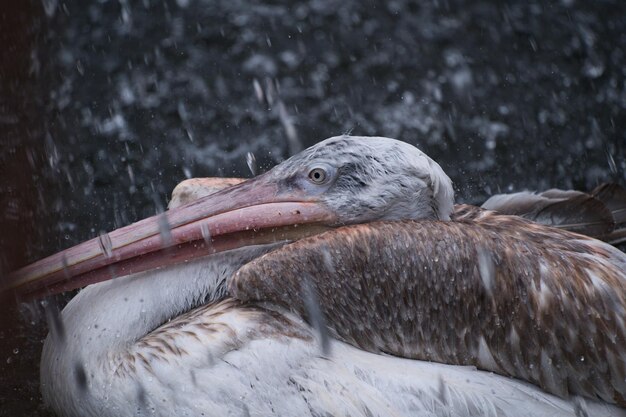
{"points": [[498, 292], [570, 210]]}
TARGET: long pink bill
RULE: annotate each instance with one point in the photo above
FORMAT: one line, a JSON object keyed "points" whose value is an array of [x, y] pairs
{"points": [[253, 212]]}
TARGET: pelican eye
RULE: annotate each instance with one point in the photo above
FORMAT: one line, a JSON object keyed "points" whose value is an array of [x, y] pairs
{"points": [[318, 175]]}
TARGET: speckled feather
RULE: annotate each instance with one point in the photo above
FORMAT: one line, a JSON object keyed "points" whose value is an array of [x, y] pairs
{"points": [[498, 292]]}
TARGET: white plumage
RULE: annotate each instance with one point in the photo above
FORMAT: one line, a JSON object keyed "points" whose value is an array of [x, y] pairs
{"points": [[229, 359]]}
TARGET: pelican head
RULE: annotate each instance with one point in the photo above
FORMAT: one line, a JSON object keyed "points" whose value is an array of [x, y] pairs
{"points": [[341, 180], [362, 179]]}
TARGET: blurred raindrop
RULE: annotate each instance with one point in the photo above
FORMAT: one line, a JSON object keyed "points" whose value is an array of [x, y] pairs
{"points": [[594, 66], [80, 68], [580, 407], [316, 317], [106, 246], [182, 111], [251, 161], [442, 391], [206, 233], [290, 129], [53, 316], [611, 161], [258, 90], [165, 231], [81, 377], [486, 269], [131, 177], [50, 7], [64, 265], [189, 134], [142, 397]]}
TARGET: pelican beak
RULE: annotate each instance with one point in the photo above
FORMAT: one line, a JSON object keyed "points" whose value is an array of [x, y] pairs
{"points": [[256, 211]]}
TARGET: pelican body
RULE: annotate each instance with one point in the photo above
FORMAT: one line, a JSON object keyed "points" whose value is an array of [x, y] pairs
{"points": [[430, 310]]}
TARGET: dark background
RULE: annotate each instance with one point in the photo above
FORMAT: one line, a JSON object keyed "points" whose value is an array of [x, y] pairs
{"points": [[106, 105]]}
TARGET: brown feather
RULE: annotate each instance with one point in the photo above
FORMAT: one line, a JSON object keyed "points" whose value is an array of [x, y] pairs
{"points": [[570, 210], [498, 292], [205, 326], [614, 197]]}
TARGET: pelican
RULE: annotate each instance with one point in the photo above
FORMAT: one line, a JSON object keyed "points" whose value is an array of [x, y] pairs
{"points": [[220, 304]]}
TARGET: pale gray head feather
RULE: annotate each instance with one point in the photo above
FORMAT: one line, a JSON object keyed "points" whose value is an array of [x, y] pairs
{"points": [[376, 178]]}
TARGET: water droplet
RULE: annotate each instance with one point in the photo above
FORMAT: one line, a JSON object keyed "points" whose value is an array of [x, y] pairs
{"points": [[594, 66], [189, 134], [131, 174], [206, 233], [258, 90], [80, 68], [295, 145], [486, 268], [316, 316], [165, 231], [611, 160], [251, 161], [50, 7], [16, 351], [182, 111], [81, 376], [106, 246]]}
